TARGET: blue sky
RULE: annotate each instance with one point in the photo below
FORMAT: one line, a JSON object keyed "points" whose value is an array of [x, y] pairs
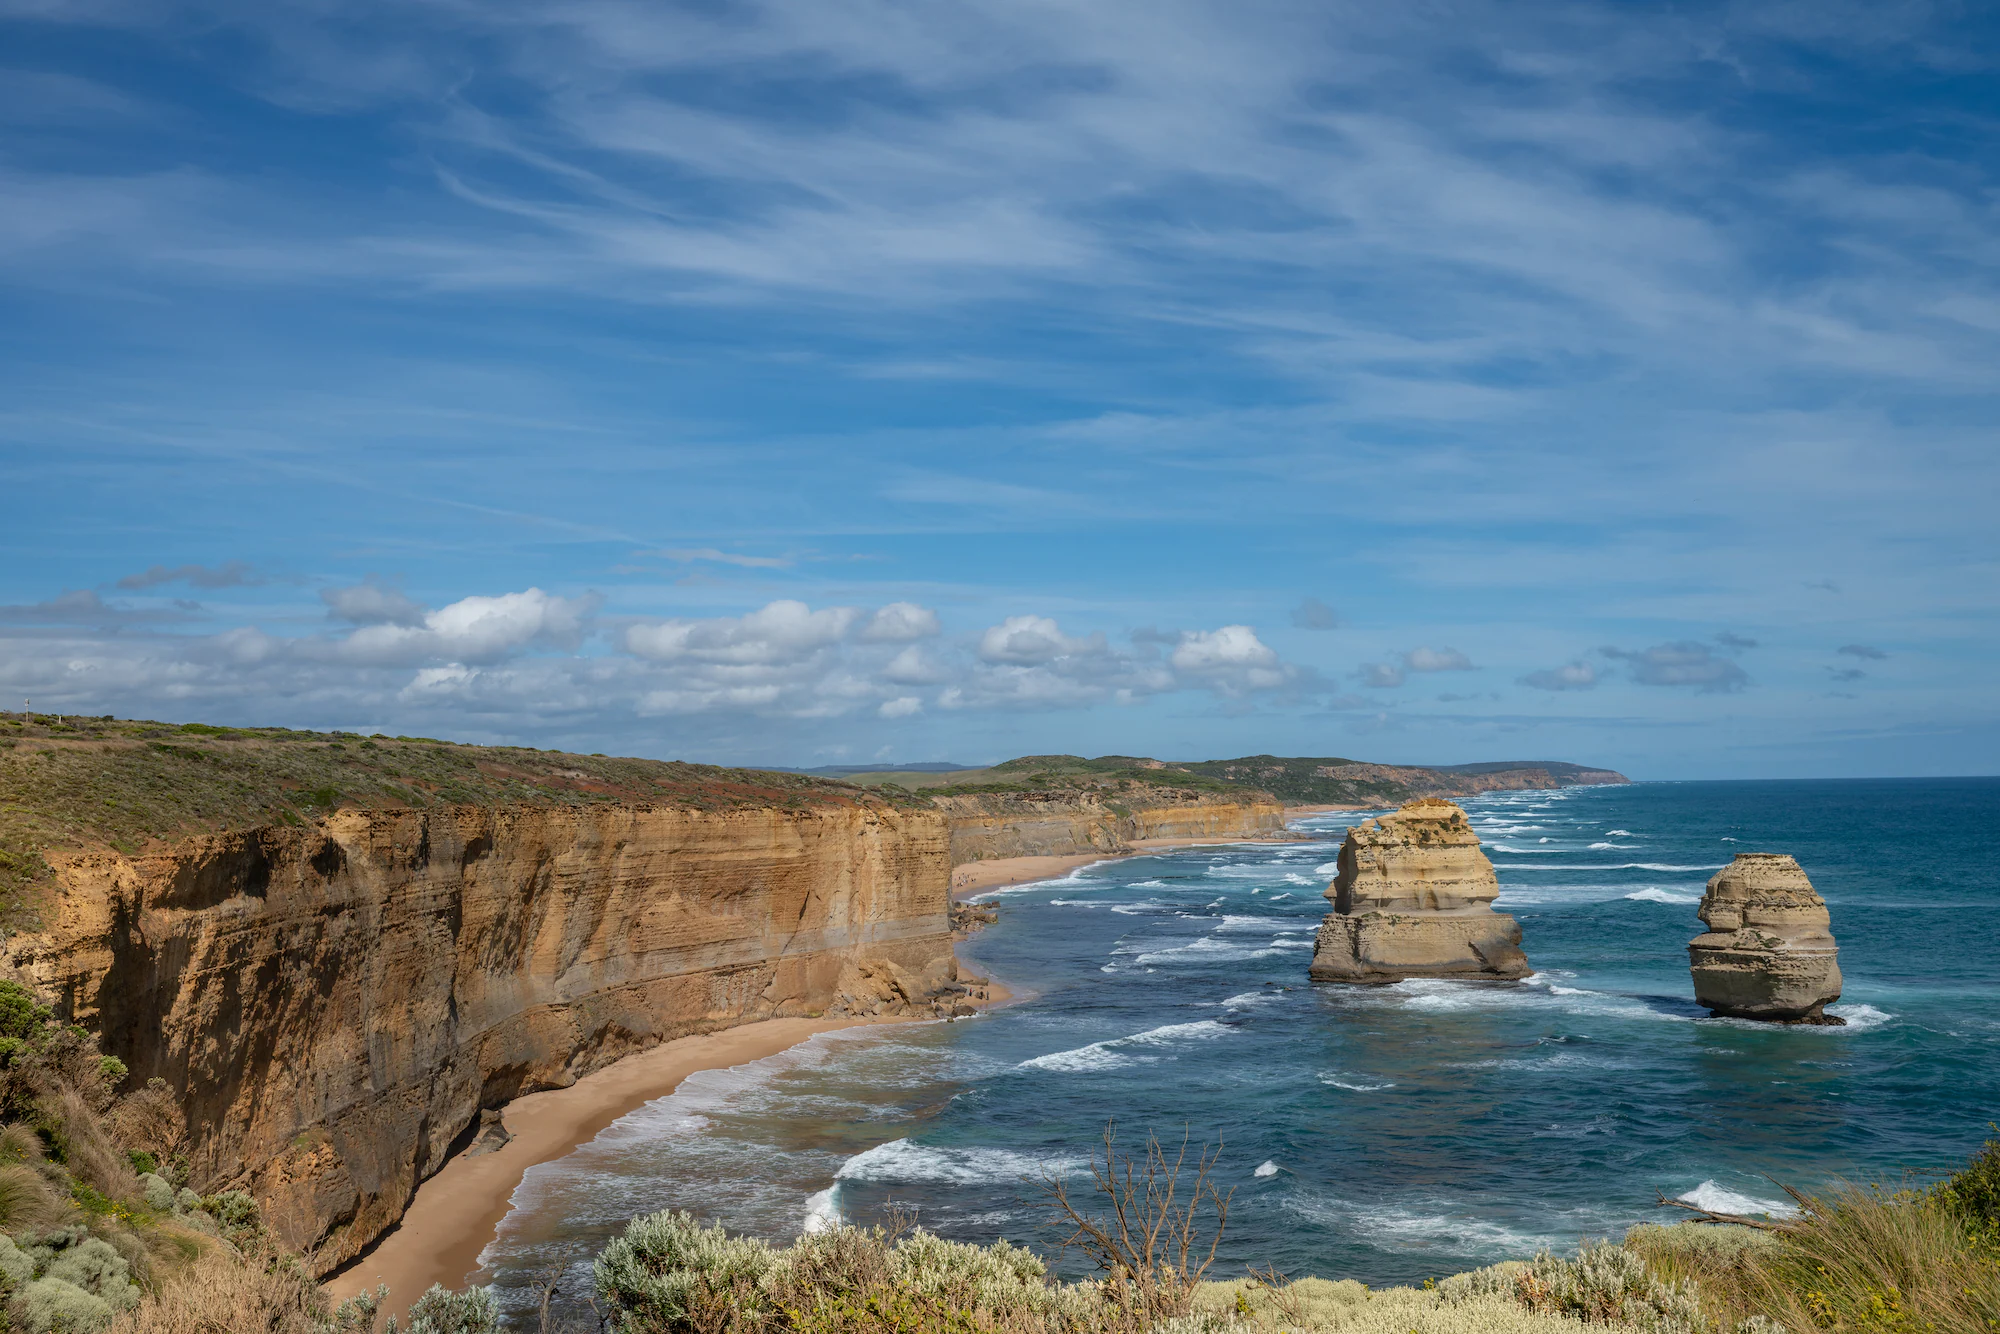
{"points": [[840, 380]]}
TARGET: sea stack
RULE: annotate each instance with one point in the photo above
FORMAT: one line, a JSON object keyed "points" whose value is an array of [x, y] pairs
{"points": [[1769, 951], [1414, 898]]}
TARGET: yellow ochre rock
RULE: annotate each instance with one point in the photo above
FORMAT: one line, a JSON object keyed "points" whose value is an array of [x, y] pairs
{"points": [[338, 1005], [1768, 952], [1414, 898]]}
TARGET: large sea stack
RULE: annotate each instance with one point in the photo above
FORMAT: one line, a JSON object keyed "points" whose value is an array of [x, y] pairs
{"points": [[1414, 898], [1768, 952]]}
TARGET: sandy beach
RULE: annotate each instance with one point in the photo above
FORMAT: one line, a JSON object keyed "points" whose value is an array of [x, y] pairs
{"points": [[456, 1212], [977, 877]]}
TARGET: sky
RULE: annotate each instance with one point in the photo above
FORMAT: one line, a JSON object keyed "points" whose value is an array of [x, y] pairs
{"points": [[842, 381]]}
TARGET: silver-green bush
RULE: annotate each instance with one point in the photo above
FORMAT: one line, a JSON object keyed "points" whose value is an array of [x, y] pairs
{"points": [[441, 1311], [53, 1306]]}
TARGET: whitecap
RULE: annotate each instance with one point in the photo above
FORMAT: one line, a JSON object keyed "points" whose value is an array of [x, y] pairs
{"points": [[1620, 833], [1654, 895], [1612, 847], [1331, 868], [1267, 1168], [1277, 897], [900, 1161], [1721, 1200], [1107, 1055], [1339, 1081]]}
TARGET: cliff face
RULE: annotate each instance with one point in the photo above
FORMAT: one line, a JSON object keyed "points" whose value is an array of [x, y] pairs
{"points": [[1061, 824], [337, 1002], [1414, 898]]}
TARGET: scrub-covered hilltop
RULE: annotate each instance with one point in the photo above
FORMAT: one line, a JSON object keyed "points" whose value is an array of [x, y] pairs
{"points": [[128, 784]]}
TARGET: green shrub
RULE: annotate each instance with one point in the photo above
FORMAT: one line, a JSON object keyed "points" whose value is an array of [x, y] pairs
{"points": [[52, 1306], [1608, 1284], [16, 1265], [441, 1311], [22, 1016], [159, 1192], [667, 1270], [96, 1266], [1974, 1191]]}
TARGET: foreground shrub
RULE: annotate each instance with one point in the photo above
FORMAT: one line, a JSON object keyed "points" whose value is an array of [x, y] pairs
{"points": [[1320, 1306], [1607, 1284]]}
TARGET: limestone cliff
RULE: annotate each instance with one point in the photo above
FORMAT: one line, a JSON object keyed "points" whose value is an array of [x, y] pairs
{"points": [[1068, 822], [1769, 951], [1413, 897], [337, 1000]]}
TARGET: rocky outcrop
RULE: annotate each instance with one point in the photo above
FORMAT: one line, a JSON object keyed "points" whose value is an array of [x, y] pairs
{"points": [[337, 1004], [1068, 823], [1768, 952], [1414, 898]]}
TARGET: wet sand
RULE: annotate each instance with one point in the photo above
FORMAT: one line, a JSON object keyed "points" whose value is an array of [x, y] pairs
{"points": [[456, 1212]]}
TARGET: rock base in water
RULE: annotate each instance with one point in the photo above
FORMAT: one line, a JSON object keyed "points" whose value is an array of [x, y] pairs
{"points": [[1414, 898], [1769, 952]]}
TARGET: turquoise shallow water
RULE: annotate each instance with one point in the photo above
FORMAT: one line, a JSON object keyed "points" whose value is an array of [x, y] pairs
{"points": [[1385, 1134]]}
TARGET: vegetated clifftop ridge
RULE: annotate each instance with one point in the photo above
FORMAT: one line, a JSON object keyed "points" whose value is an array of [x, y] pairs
{"points": [[338, 951], [1065, 804], [1332, 781]]}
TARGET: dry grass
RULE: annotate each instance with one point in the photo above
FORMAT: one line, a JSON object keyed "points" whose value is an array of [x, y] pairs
{"points": [[222, 1293], [1868, 1259]]}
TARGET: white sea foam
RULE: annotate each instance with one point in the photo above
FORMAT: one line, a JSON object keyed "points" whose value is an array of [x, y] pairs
{"points": [[1860, 1016], [1267, 1168], [1652, 894], [1113, 1053], [899, 1161], [1620, 833], [1612, 847], [1276, 897], [1331, 868], [1148, 884], [1351, 1084], [822, 1214], [1721, 1200]]}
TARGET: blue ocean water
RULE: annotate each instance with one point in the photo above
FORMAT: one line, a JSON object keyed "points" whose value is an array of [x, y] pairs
{"points": [[1385, 1133]]}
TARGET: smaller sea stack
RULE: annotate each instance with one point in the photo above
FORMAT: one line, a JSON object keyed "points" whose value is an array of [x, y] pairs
{"points": [[1414, 898], [1769, 951]]}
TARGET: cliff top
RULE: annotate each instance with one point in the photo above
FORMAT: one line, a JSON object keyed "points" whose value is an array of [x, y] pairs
{"points": [[1296, 780], [105, 782]]}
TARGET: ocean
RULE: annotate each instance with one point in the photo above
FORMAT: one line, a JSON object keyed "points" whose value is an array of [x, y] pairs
{"points": [[1387, 1134]]}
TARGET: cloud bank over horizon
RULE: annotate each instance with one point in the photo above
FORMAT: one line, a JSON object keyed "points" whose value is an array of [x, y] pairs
{"points": [[788, 383]]}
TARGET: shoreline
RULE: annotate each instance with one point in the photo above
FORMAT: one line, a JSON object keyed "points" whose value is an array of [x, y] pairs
{"points": [[1000, 872], [457, 1212]]}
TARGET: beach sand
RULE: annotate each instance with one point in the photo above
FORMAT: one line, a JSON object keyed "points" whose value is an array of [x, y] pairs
{"points": [[456, 1212], [977, 877]]}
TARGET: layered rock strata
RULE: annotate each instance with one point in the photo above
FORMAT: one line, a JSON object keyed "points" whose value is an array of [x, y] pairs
{"points": [[1414, 898], [1769, 951], [338, 1004]]}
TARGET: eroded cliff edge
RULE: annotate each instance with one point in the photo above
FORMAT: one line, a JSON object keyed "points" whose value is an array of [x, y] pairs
{"points": [[337, 1001]]}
